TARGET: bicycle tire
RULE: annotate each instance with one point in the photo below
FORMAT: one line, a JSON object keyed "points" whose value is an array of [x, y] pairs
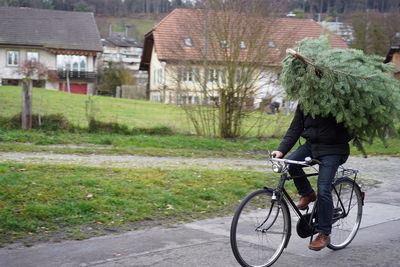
{"points": [[256, 238], [345, 228]]}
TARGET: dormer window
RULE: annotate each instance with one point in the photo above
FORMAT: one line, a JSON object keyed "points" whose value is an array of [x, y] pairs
{"points": [[224, 44], [188, 42], [242, 45], [271, 44]]}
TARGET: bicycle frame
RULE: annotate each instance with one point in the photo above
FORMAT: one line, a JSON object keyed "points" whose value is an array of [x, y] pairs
{"points": [[281, 192], [306, 226]]}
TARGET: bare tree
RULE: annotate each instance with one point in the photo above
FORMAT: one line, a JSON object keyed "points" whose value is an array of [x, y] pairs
{"points": [[29, 70], [232, 50], [373, 30]]}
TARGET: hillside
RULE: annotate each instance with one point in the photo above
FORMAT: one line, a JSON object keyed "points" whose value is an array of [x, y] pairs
{"points": [[136, 27], [129, 112], [133, 113]]}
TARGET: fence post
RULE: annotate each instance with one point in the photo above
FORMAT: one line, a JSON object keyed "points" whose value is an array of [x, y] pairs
{"points": [[118, 92], [26, 114]]}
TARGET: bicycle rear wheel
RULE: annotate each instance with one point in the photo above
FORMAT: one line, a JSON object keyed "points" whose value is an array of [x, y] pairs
{"points": [[347, 212], [260, 229]]}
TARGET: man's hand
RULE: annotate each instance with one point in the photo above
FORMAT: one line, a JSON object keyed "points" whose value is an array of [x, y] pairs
{"points": [[277, 154]]}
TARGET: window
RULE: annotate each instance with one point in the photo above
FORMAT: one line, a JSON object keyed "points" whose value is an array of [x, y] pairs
{"points": [[12, 58], [72, 62], [160, 76], [239, 75], [223, 76], [224, 44], [271, 44], [187, 74], [32, 56], [212, 75], [188, 42], [242, 45]]}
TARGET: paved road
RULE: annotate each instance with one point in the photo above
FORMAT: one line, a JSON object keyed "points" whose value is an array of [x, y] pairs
{"points": [[206, 242]]}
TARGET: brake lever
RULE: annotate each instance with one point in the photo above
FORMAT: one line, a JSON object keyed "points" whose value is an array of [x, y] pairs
{"points": [[311, 161]]}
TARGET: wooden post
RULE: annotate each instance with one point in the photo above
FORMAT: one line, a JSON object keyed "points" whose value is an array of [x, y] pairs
{"points": [[68, 84], [118, 92], [26, 114]]}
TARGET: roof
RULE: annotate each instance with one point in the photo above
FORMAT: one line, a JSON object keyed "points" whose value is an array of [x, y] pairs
{"points": [[49, 28], [392, 50], [120, 41], [167, 36]]}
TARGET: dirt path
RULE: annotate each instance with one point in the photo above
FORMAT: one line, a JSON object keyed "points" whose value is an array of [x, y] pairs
{"points": [[387, 171], [133, 161]]}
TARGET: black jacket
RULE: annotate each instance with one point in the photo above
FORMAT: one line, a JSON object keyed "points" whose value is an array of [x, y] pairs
{"points": [[323, 134]]}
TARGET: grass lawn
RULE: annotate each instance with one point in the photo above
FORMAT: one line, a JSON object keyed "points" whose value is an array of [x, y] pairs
{"points": [[38, 200], [137, 27], [157, 145], [132, 113]]}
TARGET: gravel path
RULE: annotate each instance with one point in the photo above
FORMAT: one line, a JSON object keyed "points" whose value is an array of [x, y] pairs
{"points": [[381, 168], [131, 161]]}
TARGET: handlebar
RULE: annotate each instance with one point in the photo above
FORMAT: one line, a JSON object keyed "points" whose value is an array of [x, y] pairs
{"points": [[307, 161], [278, 167]]}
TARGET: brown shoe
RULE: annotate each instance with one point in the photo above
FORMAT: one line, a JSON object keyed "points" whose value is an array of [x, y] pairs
{"points": [[320, 242], [305, 200]]}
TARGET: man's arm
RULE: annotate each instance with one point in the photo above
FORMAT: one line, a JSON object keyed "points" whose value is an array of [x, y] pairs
{"points": [[292, 134]]}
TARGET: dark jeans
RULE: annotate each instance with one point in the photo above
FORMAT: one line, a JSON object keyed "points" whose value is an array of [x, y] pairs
{"points": [[327, 171]]}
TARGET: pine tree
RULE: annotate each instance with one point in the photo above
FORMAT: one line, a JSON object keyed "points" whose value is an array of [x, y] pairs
{"points": [[357, 89]]}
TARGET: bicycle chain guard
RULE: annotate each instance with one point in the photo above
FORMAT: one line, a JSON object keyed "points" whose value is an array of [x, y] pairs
{"points": [[303, 228]]}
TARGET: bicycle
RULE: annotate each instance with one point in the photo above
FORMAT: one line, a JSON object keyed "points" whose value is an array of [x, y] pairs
{"points": [[261, 226]]}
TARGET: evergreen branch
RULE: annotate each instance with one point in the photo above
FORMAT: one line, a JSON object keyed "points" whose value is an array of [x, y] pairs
{"points": [[311, 62]]}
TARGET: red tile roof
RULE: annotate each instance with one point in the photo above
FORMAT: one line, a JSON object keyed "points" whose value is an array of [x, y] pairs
{"points": [[168, 35]]}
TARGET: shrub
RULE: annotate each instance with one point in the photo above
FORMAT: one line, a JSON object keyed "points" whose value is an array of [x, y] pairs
{"points": [[96, 126], [50, 122], [160, 130]]}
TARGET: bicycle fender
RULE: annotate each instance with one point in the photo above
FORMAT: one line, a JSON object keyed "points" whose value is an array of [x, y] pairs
{"points": [[269, 189]]}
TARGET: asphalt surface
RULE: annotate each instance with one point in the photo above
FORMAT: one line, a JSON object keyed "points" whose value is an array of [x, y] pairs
{"points": [[206, 242]]}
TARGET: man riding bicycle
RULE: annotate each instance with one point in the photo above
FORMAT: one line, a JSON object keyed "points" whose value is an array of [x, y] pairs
{"points": [[327, 141]]}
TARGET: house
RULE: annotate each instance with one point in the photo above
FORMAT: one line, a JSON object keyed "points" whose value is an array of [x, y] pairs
{"points": [[394, 55], [342, 29], [121, 49], [184, 58], [67, 43], [127, 51]]}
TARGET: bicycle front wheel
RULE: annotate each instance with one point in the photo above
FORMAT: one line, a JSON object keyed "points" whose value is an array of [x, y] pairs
{"points": [[347, 212], [260, 229]]}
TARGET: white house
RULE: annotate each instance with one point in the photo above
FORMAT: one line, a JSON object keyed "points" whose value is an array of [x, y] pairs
{"points": [[180, 46], [67, 43], [124, 50]]}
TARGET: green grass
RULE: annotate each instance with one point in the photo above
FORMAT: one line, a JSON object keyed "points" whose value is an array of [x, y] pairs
{"points": [[137, 27], [38, 199], [157, 145], [154, 145], [132, 113]]}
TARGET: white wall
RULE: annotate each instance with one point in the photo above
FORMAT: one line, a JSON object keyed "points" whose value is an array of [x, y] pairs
{"points": [[269, 88], [45, 57]]}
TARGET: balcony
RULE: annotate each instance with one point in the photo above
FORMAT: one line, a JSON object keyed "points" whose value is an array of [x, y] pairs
{"points": [[76, 75]]}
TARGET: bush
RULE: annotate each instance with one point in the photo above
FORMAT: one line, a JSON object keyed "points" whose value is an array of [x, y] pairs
{"points": [[57, 122], [52, 122], [160, 130], [96, 126]]}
